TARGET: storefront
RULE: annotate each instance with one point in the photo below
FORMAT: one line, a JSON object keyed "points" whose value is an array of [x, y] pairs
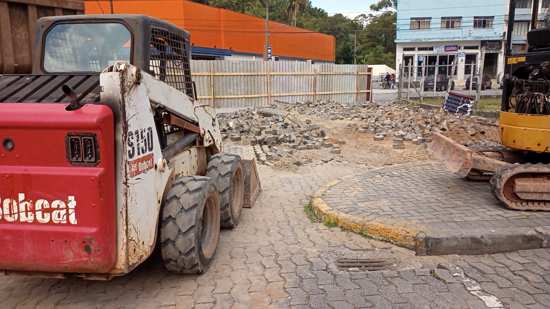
{"points": [[442, 61]]}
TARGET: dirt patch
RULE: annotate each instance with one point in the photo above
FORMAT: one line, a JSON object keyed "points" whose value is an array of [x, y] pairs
{"points": [[289, 136]]}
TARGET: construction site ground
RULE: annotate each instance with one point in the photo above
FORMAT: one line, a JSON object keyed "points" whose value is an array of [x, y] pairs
{"points": [[283, 255], [398, 194]]}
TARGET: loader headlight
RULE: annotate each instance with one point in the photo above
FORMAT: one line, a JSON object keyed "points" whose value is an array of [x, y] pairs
{"points": [[82, 149]]}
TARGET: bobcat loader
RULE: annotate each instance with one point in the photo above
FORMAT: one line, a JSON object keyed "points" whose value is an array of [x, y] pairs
{"points": [[106, 155]]}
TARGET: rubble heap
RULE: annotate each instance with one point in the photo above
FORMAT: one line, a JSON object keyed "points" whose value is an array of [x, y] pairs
{"points": [[401, 122], [328, 109], [274, 133], [279, 131]]}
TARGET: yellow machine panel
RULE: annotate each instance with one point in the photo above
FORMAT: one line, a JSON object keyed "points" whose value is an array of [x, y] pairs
{"points": [[525, 132]]}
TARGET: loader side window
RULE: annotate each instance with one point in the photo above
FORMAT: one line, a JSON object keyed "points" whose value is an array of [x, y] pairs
{"points": [[169, 59], [85, 47]]}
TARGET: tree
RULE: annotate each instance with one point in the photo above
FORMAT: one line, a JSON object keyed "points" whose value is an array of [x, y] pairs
{"points": [[294, 7], [378, 39], [383, 5]]}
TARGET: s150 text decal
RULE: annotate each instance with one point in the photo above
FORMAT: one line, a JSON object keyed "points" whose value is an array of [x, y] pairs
{"points": [[140, 151]]}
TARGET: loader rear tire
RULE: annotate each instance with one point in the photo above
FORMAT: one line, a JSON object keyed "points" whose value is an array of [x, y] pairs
{"points": [[190, 225], [227, 172]]}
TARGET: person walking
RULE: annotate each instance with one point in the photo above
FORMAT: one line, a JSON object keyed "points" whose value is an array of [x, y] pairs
{"points": [[387, 80]]}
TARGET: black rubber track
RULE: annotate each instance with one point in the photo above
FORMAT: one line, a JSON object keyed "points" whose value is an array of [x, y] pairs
{"points": [[502, 186]]}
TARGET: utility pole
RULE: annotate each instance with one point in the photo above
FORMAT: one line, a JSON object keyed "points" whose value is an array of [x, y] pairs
{"points": [[480, 77], [355, 48], [268, 50], [535, 15]]}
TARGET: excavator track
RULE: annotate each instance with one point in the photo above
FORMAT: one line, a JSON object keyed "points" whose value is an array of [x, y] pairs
{"points": [[523, 186]]}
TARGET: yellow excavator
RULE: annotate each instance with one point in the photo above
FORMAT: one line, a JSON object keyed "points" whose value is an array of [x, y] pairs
{"points": [[519, 171]]}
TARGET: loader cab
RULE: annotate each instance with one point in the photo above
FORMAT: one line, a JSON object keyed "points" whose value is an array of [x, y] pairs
{"points": [[87, 44]]}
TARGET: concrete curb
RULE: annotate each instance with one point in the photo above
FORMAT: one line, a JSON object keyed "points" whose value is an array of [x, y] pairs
{"points": [[400, 236], [426, 243], [472, 243]]}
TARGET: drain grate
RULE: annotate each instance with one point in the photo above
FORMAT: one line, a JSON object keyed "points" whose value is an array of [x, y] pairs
{"points": [[368, 264]]}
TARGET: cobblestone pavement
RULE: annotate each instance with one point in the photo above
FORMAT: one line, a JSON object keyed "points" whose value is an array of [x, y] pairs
{"points": [[277, 258], [424, 193], [425, 197]]}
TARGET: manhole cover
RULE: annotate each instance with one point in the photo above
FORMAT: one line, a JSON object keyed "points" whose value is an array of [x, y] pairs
{"points": [[364, 264]]}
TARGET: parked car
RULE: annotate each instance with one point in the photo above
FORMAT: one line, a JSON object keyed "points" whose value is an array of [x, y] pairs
{"points": [[442, 83], [484, 86]]}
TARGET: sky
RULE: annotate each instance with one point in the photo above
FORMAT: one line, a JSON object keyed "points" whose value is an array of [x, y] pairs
{"points": [[346, 7]]}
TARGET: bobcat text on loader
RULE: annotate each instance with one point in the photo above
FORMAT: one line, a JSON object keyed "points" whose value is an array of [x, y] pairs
{"points": [[106, 155]]}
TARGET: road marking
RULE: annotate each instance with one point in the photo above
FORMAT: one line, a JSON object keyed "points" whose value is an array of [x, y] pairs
{"points": [[491, 301]]}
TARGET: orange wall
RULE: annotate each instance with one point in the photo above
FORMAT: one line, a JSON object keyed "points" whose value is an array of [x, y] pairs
{"points": [[219, 28]]}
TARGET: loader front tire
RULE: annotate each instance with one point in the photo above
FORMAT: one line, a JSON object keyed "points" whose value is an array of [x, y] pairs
{"points": [[227, 172], [190, 225]]}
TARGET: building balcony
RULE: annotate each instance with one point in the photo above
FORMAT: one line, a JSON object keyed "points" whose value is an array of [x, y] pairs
{"points": [[444, 35]]}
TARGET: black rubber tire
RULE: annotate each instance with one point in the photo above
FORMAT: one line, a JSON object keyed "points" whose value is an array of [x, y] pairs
{"points": [[228, 174], [185, 248]]}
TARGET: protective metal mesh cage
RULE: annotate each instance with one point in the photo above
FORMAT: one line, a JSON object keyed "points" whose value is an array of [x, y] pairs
{"points": [[169, 59], [542, 86]]}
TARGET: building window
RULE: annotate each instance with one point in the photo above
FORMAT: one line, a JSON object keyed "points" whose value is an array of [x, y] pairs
{"points": [[418, 23], [425, 48], [546, 4], [484, 22], [451, 22], [523, 4], [520, 29], [471, 47], [470, 66], [426, 65], [408, 66], [409, 49], [445, 65]]}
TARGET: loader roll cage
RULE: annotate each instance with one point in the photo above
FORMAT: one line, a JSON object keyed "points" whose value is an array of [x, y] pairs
{"points": [[86, 44]]}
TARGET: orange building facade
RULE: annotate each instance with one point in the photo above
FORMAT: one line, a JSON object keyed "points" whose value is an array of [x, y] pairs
{"points": [[221, 33]]}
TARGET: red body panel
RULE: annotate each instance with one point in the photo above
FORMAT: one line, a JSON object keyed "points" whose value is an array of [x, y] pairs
{"points": [[80, 239]]}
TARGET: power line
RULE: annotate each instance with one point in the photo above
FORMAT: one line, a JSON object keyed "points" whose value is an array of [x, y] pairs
{"points": [[544, 11], [450, 8], [495, 27]]}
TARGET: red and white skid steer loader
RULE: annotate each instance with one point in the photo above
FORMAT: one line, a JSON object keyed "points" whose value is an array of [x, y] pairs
{"points": [[105, 153]]}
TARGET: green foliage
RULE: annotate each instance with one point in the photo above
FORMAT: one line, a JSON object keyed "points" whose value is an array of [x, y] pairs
{"points": [[375, 33], [384, 4], [378, 40], [310, 213]]}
